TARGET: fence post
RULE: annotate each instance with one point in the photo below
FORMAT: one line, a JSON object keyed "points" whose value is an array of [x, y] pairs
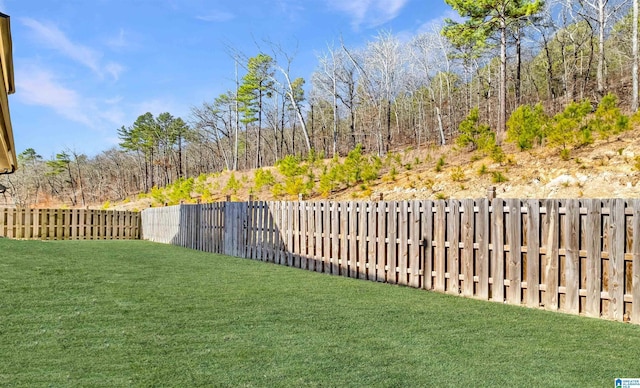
{"points": [[491, 193]]}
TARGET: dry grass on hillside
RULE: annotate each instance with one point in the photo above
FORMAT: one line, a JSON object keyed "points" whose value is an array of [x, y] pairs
{"points": [[604, 169]]}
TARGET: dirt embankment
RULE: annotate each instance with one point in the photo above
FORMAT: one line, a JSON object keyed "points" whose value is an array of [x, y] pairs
{"points": [[605, 169]]}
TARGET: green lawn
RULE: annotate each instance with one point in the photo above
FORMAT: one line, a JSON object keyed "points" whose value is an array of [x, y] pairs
{"points": [[134, 313]]}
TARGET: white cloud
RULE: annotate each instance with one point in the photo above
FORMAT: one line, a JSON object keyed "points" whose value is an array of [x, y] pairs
{"points": [[113, 115], [37, 86], [291, 8], [114, 100], [154, 106], [370, 13], [54, 38], [119, 41], [51, 36], [114, 70], [216, 16], [436, 24], [157, 105]]}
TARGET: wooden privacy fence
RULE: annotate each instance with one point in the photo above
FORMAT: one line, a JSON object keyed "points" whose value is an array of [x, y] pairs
{"points": [[193, 226], [574, 256], [69, 224]]}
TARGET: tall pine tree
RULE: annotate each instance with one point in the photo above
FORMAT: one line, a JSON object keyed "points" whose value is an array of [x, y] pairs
{"points": [[485, 19], [256, 85]]}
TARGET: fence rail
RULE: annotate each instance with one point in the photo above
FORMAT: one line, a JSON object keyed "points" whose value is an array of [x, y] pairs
{"points": [[69, 224], [574, 256]]}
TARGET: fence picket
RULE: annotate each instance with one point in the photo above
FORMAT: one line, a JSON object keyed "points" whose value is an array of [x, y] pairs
{"points": [[483, 257], [335, 238], [533, 253], [392, 246], [362, 240], [11, 215], [414, 248], [552, 226], [572, 259], [468, 256], [372, 241], [317, 218], [616, 259], [426, 230], [326, 237], [468, 234], [381, 257], [271, 236], [497, 252], [514, 262], [352, 236], [440, 251], [402, 217], [303, 235], [635, 272], [280, 233], [344, 242], [296, 234], [452, 262]]}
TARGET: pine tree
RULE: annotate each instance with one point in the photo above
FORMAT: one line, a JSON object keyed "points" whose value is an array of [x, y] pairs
{"points": [[486, 18], [256, 85]]}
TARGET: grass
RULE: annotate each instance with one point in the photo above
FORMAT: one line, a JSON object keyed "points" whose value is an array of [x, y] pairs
{"points": [[134, 313]]}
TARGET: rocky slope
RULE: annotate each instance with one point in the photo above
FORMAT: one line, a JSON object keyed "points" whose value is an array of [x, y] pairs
{"points": [[606, 169]]}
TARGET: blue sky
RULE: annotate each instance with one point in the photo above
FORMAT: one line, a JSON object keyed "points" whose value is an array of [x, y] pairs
{"points": [[84, 68]]}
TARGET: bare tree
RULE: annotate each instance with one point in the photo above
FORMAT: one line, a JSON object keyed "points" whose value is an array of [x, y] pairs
{"points": [[600, 12], [634, 73], [429, 57], [326, 78], [292, 88]]}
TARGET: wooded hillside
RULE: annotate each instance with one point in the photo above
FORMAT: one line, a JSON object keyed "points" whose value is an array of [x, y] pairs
{"points": [[557, 74]]}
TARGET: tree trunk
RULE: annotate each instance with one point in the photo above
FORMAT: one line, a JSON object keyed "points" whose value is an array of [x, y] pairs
{"points": [[601, 57], [74, 199], [282, 143], [518, 66], [550, 89], [277, 150], [246, 146], [180, 172], [237, 129], [298, 111], [293, 139], [311, 137], [352, 114], [335, 111], [502, 114], [634, 97], [151, 172], [258, 150], [81, 186], [442, 139], [388, 125]]}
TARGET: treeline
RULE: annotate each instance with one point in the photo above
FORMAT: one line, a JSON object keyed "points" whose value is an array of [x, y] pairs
{"points": [[388, 95]]}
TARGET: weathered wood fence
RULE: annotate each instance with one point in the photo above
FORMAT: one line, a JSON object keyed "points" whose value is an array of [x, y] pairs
{"points": [[69, 224], [575, 256]]}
